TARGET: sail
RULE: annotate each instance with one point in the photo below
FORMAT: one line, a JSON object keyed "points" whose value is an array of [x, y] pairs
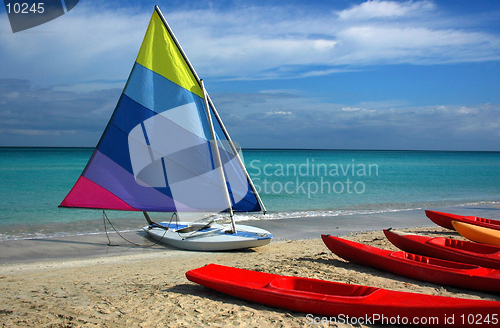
{"points": [[157, 152]]}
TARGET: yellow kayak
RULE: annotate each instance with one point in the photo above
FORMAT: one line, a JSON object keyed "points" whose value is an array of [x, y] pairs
{"points": [[477, 233]]}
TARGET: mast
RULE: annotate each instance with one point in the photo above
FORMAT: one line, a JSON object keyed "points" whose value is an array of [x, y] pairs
{"points": [[215, 147], [236, 154], [211, 107]]}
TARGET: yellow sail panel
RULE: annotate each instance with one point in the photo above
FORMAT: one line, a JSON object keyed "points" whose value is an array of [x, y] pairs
{"points": [[160, 54]]}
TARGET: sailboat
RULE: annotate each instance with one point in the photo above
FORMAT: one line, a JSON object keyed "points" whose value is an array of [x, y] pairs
{"points": [[165, 149]]}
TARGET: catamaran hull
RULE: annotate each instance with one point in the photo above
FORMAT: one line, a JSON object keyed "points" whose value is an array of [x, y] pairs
{"points": [[364, 304], [217, 237]]}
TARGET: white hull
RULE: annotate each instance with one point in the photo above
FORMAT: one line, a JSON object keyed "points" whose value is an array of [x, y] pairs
{"points": [[186, 235]]}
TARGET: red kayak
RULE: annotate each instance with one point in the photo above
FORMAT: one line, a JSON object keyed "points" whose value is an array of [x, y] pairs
{"points": [[344, 303], [416, 266], [447, 249], [444, 220]]}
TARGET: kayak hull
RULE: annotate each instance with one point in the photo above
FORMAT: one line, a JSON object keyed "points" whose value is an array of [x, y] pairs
{"points": [[478, 234], [444, 220], [416, 266], [448, 249], [334, 299]]}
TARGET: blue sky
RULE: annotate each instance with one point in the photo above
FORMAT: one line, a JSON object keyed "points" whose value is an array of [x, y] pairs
{"points": [[300, 74]]}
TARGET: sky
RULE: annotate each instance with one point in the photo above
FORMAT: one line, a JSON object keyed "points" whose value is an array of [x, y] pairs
{"points": [[416, 75]]}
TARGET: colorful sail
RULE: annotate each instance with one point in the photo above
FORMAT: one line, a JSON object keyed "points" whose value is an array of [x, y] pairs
{"points": [[156, 153]]}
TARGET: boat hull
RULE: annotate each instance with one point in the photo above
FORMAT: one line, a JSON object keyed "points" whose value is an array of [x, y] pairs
{"points": [[447, 248], [416, 266], [444, 220], [190, 236], [333, 299], [478, 234]]}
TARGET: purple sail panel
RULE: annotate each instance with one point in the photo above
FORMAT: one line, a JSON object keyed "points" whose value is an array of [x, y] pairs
{"points": [[122, 183]]}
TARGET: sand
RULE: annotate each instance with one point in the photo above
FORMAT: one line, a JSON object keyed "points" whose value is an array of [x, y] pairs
{"points": [[148, 288]]}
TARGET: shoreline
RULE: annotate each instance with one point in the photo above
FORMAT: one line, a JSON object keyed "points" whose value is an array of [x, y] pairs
{"points": [[88, 222], [95, 245], [149, 289]]}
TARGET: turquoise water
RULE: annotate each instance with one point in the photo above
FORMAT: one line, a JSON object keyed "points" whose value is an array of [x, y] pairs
{"points": [[373, 179], [292, 183]]}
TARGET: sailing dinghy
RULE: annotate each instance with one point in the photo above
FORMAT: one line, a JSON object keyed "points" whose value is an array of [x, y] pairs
{"points": [[165, 149]]}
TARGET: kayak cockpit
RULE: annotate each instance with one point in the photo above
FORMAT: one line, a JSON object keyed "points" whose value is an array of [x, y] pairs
{"points": [[476, 219], [464, 245], [321, 287], [437, 262]]}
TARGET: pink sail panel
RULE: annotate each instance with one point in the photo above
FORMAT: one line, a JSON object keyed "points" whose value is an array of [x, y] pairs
{"points": [[86, 192]]}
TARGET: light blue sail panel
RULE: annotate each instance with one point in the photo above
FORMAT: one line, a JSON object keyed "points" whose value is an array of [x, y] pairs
{"points": [[159, 94], [240, 191]]}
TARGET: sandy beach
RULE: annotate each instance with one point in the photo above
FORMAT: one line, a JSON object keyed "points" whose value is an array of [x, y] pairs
{"points": [[95, 285]]}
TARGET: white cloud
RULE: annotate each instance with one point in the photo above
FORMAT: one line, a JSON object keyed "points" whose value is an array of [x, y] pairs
{"points": [[82, 45], [415, 45], [314, 124], [249, 42], [78, 63], [44, 116], [385, 9], [293, 43], [278, 113], [49, 117]]}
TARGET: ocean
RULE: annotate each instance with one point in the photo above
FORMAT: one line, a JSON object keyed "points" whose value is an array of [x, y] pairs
{"points": [[291, 183]]}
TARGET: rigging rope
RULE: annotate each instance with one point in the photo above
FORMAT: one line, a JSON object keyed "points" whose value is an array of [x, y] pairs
{"points": [[197, 230], [155, 242], [105, 217]]}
